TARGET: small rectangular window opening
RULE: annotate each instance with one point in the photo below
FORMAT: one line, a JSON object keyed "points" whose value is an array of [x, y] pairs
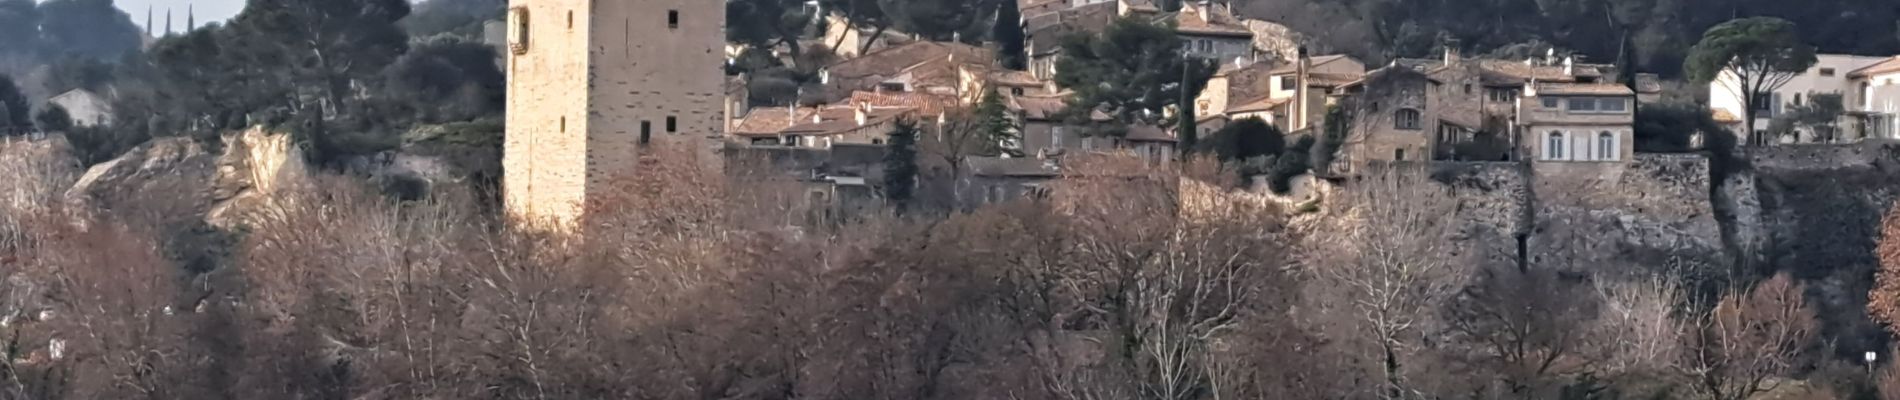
{"points": [[563, 124], [672, 124], [646, 131], [570, 19], [673, 18]]}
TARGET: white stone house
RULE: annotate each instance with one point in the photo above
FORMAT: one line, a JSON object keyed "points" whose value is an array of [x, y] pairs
{"points": [[85, 107], [1875, 100], [1830, 75]]}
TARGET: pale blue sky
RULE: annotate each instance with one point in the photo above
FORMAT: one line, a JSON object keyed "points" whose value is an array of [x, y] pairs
{"points": [[206, 10]]}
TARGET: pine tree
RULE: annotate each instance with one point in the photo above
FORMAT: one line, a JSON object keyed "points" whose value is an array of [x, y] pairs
{"points": [[1011, 50], [998, 128], [900, 164]]}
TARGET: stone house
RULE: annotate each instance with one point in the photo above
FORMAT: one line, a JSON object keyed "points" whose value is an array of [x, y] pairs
{"points": [[584, 100], [905, 68], [864, 118], [1391, 110], [1212, 31], [85, 107], [1829, 75], [991, 180], [1298, 93], [1043, 33], [1566, 124], [1874, 103]]}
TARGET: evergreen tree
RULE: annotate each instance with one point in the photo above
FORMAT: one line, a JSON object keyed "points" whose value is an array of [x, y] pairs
{"points": [[13, 107], [1762, 54], [999, 130], [54, 118], [1244, 139], [1133, 71], [1011, 50], [900, 164]]}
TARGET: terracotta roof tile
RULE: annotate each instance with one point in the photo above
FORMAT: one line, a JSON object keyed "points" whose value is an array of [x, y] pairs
{"points": [[1599, 89], [892, 60], [1189, 20], [1891, 65], [1258, 105], [929, 104]]}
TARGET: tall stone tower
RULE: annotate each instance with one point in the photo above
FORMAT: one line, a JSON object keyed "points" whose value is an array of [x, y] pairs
{"points": [[593, 82]]}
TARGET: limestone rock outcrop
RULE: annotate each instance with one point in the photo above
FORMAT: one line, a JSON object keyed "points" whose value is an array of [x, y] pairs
{"points": [[180, 181]]}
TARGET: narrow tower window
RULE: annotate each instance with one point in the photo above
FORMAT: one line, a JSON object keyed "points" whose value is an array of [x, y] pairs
{"points": [[672, 124], [570, 20], [563, 124], [646, 131], [673, 19], [520, 44]]}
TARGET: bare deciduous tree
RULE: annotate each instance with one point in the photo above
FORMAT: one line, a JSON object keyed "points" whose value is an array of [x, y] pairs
{"points": [[1750, 339]]}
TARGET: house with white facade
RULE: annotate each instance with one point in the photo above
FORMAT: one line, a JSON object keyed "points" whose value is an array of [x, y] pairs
{"points": [[1875, 102], [85, 107], [1830, 75]]}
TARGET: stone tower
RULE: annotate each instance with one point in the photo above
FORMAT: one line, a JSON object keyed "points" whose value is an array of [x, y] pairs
{"points": [[592, 82]]}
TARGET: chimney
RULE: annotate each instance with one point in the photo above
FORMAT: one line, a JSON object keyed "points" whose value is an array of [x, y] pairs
{"points": [[862, 113], [1570, 66], [1300, 71], [1452, 53], [1206, 11]]}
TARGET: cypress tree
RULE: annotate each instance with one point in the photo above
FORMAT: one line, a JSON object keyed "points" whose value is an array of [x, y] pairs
{"points": [[900, 164], [1011, 50]]}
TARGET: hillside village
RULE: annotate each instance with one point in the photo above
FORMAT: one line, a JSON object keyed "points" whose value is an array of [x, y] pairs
{"points": [[950, 199]]}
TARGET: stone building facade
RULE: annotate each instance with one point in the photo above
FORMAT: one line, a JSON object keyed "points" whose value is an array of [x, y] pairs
{"points": [[591, 83]]}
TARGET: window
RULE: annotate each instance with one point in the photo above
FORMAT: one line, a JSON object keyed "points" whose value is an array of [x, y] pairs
{"points": [[1614, 105], [1288, 82], [1502, 95], [1797, 99], [563, 124], [672, 124], [570, 20], [1055, 137], [1398, 154], [1606, 146], [1554, 146], [1016, 91], [1406, 119], [1584, 105], [891, 86], [1551, 102], [1467, 88], [673, 19], [520, 45], [1827, 72], [646, 131]]}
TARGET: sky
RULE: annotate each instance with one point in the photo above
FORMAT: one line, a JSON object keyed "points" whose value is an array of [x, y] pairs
{"points": [[206, 11]]}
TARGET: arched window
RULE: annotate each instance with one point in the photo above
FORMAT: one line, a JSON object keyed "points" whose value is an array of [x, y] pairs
{"points": [[1607, 148], [1406, 118], [1554, 146]]}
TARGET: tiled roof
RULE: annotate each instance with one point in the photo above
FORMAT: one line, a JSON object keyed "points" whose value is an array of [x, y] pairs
{"points": [[929, 104], [1891, 65], [1648, 83], [1148, 133], [1191, 21], [1013, 167], [1038, 7], [1008, 77], [1258, 105], [768, 121], [840, 119], [1315, 61], [891, 60], [1600, 89], [1039, 108], [1722, 115], [1045, 31]]}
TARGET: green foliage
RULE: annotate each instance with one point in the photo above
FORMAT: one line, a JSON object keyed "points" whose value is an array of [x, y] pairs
{"points": [[447, 79], [13, 105], [900, 164], [87, 28], [463, 18], [1295, 161], [1332, 137], [53, 118], [1820, 116], [1760, 45], [1011, 48], [93, 145], [1132, 71], [996, 124], [79, 73], [940, 20], [1245, 139], [1669, 127], [767, 24]]}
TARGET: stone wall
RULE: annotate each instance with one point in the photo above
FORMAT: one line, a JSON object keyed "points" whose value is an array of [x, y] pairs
{"points": [[1796, 157]]}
